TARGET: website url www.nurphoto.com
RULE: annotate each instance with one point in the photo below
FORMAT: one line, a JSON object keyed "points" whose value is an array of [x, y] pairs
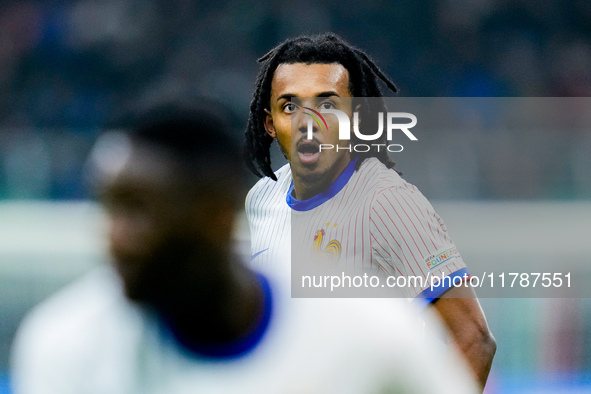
{"points": [[510, 279]]}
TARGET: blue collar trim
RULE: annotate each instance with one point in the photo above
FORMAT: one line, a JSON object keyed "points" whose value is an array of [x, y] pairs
{"points": [[236, 348], [321, 198]]}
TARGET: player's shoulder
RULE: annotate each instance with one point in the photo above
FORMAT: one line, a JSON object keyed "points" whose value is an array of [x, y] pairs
{"points": [[381, 176], [394, 345], [267, 187], [373, 178], [402, 318], [73, 313], [383, 323], [378, 342], [350, 315], [386, 183]]}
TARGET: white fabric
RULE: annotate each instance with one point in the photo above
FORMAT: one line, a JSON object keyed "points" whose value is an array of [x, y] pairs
{"points": [[90, 339], [379, 221]]}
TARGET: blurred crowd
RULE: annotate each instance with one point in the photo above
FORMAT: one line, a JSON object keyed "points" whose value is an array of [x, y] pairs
{"points": [[68, 67]]}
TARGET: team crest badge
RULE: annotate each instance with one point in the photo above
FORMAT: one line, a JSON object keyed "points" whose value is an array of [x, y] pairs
{"points": [[330, 253]]}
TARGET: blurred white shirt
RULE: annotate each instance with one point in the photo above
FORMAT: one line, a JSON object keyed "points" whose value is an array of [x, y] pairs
{"points": [[90, 339]]}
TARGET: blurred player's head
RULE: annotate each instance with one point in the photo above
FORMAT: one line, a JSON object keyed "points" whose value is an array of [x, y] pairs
{"points": [[170, 183], [309, 66]]}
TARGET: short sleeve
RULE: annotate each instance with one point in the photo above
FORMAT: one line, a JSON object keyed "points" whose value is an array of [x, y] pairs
{"points": [[410, 239]]}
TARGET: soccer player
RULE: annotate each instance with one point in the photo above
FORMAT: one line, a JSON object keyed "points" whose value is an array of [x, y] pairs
{"points": [[177, 313], [356, 201]]}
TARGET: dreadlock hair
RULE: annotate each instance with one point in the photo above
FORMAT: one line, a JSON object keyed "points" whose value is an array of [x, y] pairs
{"points": [[325, 49]]}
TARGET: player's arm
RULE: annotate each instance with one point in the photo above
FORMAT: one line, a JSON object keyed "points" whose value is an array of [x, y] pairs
{"points": [[407, 223], [461, 313]]}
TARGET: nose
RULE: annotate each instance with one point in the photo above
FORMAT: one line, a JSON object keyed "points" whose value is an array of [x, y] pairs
{"points": [[307, 124]]}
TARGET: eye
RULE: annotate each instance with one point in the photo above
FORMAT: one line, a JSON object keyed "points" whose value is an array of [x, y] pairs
{"points": [[327, 105], [289, 108]]}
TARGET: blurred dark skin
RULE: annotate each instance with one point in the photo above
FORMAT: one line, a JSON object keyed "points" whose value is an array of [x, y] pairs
{"points": [[170, 239]]}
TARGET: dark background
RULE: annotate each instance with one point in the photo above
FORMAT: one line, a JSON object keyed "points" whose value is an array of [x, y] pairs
{"points": [[68, 67]]}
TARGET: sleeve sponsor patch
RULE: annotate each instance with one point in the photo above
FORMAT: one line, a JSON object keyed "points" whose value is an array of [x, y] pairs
{"points": [[440, 257]]}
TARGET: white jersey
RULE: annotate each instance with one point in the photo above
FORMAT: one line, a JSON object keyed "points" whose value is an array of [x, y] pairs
{"points": [[90, 339], [368, 220]]}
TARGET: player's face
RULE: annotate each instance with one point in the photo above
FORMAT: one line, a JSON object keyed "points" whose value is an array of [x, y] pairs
{"points": [[153, 224], [316, 86]]}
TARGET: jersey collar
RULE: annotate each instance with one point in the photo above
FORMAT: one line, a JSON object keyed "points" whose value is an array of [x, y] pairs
{"points": [[234, 349], [321, 198]]}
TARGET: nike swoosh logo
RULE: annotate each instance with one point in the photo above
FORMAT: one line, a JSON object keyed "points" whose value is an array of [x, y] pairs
{"points": [[254, 256]]}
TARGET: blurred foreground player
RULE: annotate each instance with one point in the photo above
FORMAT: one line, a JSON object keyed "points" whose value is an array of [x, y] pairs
{"points": [[179, 314], [353, 200]]}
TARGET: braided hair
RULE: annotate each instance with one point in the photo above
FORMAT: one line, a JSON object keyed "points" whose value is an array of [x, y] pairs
{"points": [[324, 49]]}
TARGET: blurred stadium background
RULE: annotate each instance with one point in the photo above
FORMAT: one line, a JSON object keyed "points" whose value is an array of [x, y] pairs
{"points": [[68, 67]]}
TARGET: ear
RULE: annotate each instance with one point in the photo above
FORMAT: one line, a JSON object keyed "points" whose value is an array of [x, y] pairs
{"points": [[269, 125]]}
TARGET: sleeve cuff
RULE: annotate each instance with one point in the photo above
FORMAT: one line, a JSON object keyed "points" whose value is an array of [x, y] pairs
{"points": [[431, 293]]}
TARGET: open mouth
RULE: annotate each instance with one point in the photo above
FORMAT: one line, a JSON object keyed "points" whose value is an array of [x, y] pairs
{"points": [[308, 151]]}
